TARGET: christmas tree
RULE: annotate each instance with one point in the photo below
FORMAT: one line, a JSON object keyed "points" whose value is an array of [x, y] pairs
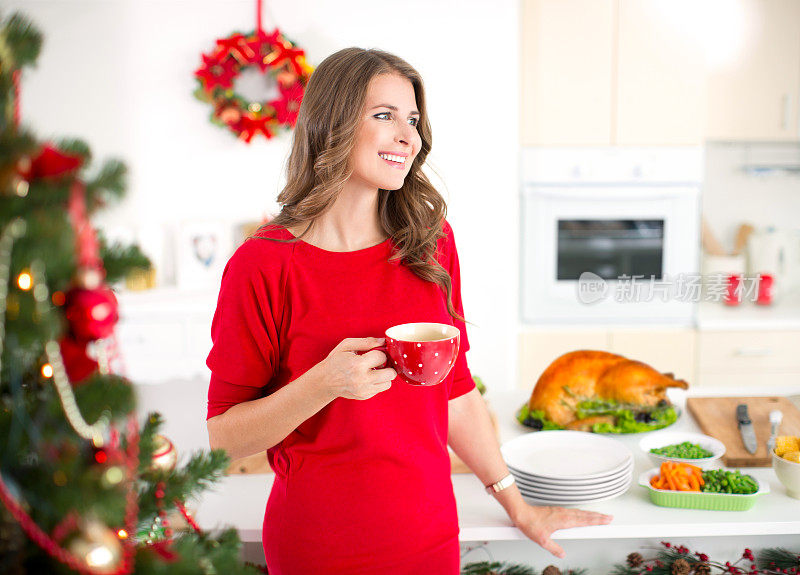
{"points": [[84, 485]]}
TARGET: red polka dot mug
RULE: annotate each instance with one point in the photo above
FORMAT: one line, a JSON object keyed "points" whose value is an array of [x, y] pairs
{"points": [[422, 353]]}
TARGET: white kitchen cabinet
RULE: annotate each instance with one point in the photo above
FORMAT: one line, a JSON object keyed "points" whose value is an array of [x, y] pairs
{"points": [[165, 334], [660, 83], [669, 350], [566, 76], [748, 357], [537, 349], [610, 72], [754, 94]]}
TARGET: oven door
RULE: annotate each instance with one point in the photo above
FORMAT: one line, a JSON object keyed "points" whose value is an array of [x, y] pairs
{"points": [[632, 241]]}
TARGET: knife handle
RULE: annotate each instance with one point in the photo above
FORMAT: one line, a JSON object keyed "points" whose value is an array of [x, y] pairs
{"points": [[741, 414]]}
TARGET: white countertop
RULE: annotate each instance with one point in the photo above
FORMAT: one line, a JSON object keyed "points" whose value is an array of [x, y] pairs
{"points": [[783, 314], [240, 500]]}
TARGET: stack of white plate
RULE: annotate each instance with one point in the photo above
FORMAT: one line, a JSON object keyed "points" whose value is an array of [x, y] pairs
{"points": [[568, 467]]}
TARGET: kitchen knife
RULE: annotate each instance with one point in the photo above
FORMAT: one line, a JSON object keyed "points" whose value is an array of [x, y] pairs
{"points": [[746, 428]]}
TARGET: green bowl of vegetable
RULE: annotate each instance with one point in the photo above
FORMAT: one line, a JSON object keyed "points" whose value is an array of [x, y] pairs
{"points": [[695, 448], [714, 501]]}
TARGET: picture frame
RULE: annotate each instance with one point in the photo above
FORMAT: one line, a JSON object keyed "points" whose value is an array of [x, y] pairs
{"points": [[203, 249]]}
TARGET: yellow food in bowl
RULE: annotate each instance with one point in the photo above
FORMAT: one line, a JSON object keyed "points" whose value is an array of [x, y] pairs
{"points": [[786, 444], [793, 456]]}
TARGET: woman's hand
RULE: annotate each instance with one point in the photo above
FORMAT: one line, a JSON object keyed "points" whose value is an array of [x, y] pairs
{"points": [[352, 375], [539, 523]]}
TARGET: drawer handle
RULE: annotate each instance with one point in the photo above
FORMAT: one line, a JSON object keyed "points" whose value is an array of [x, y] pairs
{"points": [[753, 352]]}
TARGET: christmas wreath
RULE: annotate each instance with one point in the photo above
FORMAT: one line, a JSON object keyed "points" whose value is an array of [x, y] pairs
{"points": [[272, 54]]}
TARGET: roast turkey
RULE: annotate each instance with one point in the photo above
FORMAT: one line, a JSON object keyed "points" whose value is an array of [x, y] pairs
{"points": [[581, 376]]}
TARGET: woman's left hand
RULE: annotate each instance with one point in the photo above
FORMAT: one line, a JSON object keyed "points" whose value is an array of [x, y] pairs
{"points": [[539, 523]]}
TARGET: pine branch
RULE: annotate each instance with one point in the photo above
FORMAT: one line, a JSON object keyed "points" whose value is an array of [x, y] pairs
{"points": [[118, 259], [22, 40], [201, 472], [108, 186], [778, 558], [99, 393], [147, 435], [76, 147], [498, 568]]}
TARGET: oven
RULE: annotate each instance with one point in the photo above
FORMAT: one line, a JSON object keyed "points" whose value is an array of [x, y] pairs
{"points": [[610, 235]]}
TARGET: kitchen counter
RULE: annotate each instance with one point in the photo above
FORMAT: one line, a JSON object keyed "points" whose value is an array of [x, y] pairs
{"points": [[784, 314], [240, 500]]}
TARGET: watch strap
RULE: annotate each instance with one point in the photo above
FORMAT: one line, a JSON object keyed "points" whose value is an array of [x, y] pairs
{"points": [[505, 482]]}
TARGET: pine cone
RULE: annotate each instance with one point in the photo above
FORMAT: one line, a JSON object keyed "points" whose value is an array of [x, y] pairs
{"points": [[681, 567], [702, 569], [551, 570], [635, 559]]}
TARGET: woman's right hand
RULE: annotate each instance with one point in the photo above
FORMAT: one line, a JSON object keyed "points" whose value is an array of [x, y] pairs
{"points": [[352, 375]]}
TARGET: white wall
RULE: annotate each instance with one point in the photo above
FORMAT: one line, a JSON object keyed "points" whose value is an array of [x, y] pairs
{"points": [[119, 74], [732, 196]]}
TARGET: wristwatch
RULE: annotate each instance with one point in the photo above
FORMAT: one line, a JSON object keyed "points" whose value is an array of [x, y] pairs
{"points": [[507, 481]]}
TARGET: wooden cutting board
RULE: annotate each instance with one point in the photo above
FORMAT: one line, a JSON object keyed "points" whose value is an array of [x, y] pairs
{"points": [[716, 416]]}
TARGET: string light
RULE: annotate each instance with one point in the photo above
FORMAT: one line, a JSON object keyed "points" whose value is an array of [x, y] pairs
{"points": [[47, 370], [122, 534], [22, 188], [24, 281]]}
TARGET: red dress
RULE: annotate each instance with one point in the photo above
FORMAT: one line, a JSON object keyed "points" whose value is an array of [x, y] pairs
{"points": [[362, 487]]}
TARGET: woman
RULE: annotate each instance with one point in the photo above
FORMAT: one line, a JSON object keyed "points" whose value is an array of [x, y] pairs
{"points": [[362, 473]]}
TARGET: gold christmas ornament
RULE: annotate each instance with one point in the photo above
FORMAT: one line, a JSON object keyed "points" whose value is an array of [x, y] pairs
{"points": [[98, 547], [165, 456]]}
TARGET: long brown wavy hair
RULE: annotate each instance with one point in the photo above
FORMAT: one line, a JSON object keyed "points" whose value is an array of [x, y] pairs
{"points": [[318, 165]]}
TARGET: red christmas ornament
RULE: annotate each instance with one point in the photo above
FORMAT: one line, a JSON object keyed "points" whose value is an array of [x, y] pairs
{"points": [[77, 363], [91, 313]]}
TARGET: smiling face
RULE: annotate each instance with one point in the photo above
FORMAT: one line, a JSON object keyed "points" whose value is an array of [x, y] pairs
{"points": [[387, 140]]}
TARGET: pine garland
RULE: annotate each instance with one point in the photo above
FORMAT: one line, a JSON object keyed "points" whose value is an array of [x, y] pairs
{"points": [[507, 568], [666, 560], [779, 560]]}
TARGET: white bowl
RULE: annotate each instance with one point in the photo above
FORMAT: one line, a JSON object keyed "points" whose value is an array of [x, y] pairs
{"points": [[789, 474], [715, 446]]}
